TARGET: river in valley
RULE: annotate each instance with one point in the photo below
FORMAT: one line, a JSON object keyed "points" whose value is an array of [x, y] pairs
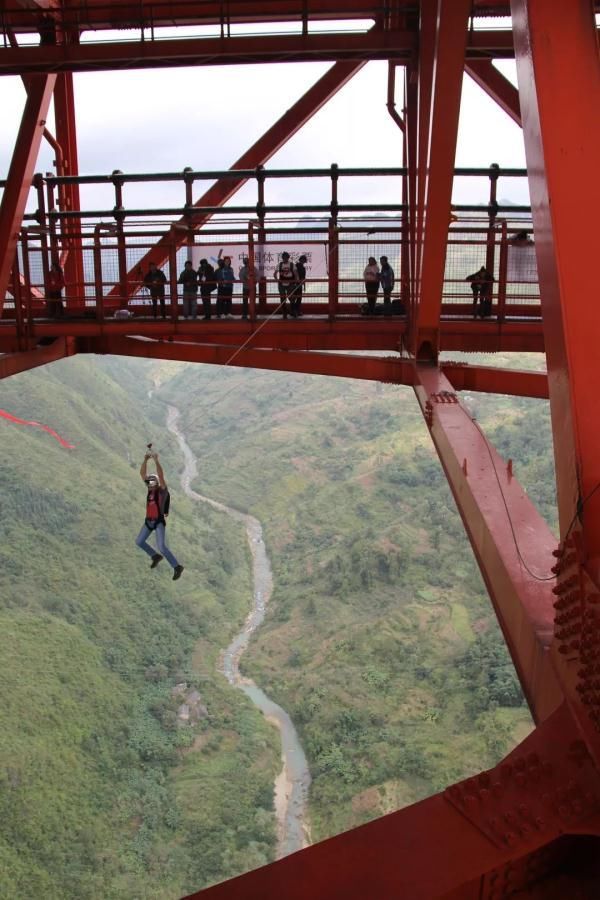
{"points": [[292, 784]]}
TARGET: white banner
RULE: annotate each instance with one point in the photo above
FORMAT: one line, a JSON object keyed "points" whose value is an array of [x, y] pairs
{"points": [[266, 256]]}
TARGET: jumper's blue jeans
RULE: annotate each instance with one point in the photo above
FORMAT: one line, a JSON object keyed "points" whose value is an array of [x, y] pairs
{"points": [[161, 543]]}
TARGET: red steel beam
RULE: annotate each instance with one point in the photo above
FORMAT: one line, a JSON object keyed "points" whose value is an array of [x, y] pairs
{"points": [[425, 74], [489, 380], [496, 85], [140, 54], [559, 85], [66, 134], [319, 334], [13, 363], [512, 543], [88, 57], [262, 150], [115, 13], [479, 835], [449, 59], [371, 368], [20, 172], [387, 369]]}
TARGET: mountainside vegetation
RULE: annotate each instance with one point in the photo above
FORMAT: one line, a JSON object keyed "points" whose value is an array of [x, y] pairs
{"points": [[379, 639], [101, 794]]}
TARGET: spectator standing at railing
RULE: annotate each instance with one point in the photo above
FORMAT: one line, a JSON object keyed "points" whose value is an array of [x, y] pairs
{"points": [[371, 279], [189, 280], [219, 284], [155, 280], [55, 283], [296, 298], [481, 286], [386, 279], [244, 278], [206, 277], [286, 277], [226, 280]]}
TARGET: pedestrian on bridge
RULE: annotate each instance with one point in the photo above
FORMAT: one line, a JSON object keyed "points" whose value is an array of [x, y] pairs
{"points": [[286, 277], [371, 279], [386, 279], [54, 288], [189, 280], [481, 286], [155, 280]]}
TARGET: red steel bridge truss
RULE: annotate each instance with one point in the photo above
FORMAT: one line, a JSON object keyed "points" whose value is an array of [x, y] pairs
{"points": [[530, 826]]}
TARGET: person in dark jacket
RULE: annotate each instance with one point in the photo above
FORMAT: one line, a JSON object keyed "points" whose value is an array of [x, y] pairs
{"points": [[386, 280], [225, 286], [189, 280], [244, 278], [155, 280], [481, 286], [54, 288], [296, 297], [371, 280], [157, 510], [206, 277]]}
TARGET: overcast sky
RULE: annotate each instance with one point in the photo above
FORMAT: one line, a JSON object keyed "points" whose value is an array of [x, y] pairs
{"points": [[164, 120]]}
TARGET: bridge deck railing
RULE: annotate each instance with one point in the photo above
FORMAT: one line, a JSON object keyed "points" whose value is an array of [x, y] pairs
{"points": [[335, 262]]}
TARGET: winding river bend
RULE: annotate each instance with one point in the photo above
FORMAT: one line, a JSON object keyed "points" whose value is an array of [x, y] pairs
{"points": [[291, 785]]}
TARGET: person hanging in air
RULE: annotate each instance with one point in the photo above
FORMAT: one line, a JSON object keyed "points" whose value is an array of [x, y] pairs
{"points": [[157, 510]]}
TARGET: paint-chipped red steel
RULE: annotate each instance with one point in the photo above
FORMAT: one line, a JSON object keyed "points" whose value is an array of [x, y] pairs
{"points": [[528, 826]]}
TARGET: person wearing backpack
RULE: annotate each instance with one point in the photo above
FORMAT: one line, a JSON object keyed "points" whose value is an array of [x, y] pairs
{"points": [[157, 509], [287, 278], [296, 298]]}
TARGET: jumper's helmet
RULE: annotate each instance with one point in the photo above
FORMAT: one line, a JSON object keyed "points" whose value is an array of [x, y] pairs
{"points": [[152, 480]]}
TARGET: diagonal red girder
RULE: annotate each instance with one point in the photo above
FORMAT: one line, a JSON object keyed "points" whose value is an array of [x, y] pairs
{"points": [[21, 170], [496, 85], [262, 150], [512, 543], [442, 112]]}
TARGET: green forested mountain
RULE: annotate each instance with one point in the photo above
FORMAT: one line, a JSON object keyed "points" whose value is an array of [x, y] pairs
{"points": [[100, 796], [379, 639]]}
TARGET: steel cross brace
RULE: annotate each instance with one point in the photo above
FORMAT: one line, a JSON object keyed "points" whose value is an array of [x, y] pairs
{"points": [[496, 85]]}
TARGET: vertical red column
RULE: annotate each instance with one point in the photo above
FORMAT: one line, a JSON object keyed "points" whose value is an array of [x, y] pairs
{"points": [[439, 128], [66, 135], [558, 71]]}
